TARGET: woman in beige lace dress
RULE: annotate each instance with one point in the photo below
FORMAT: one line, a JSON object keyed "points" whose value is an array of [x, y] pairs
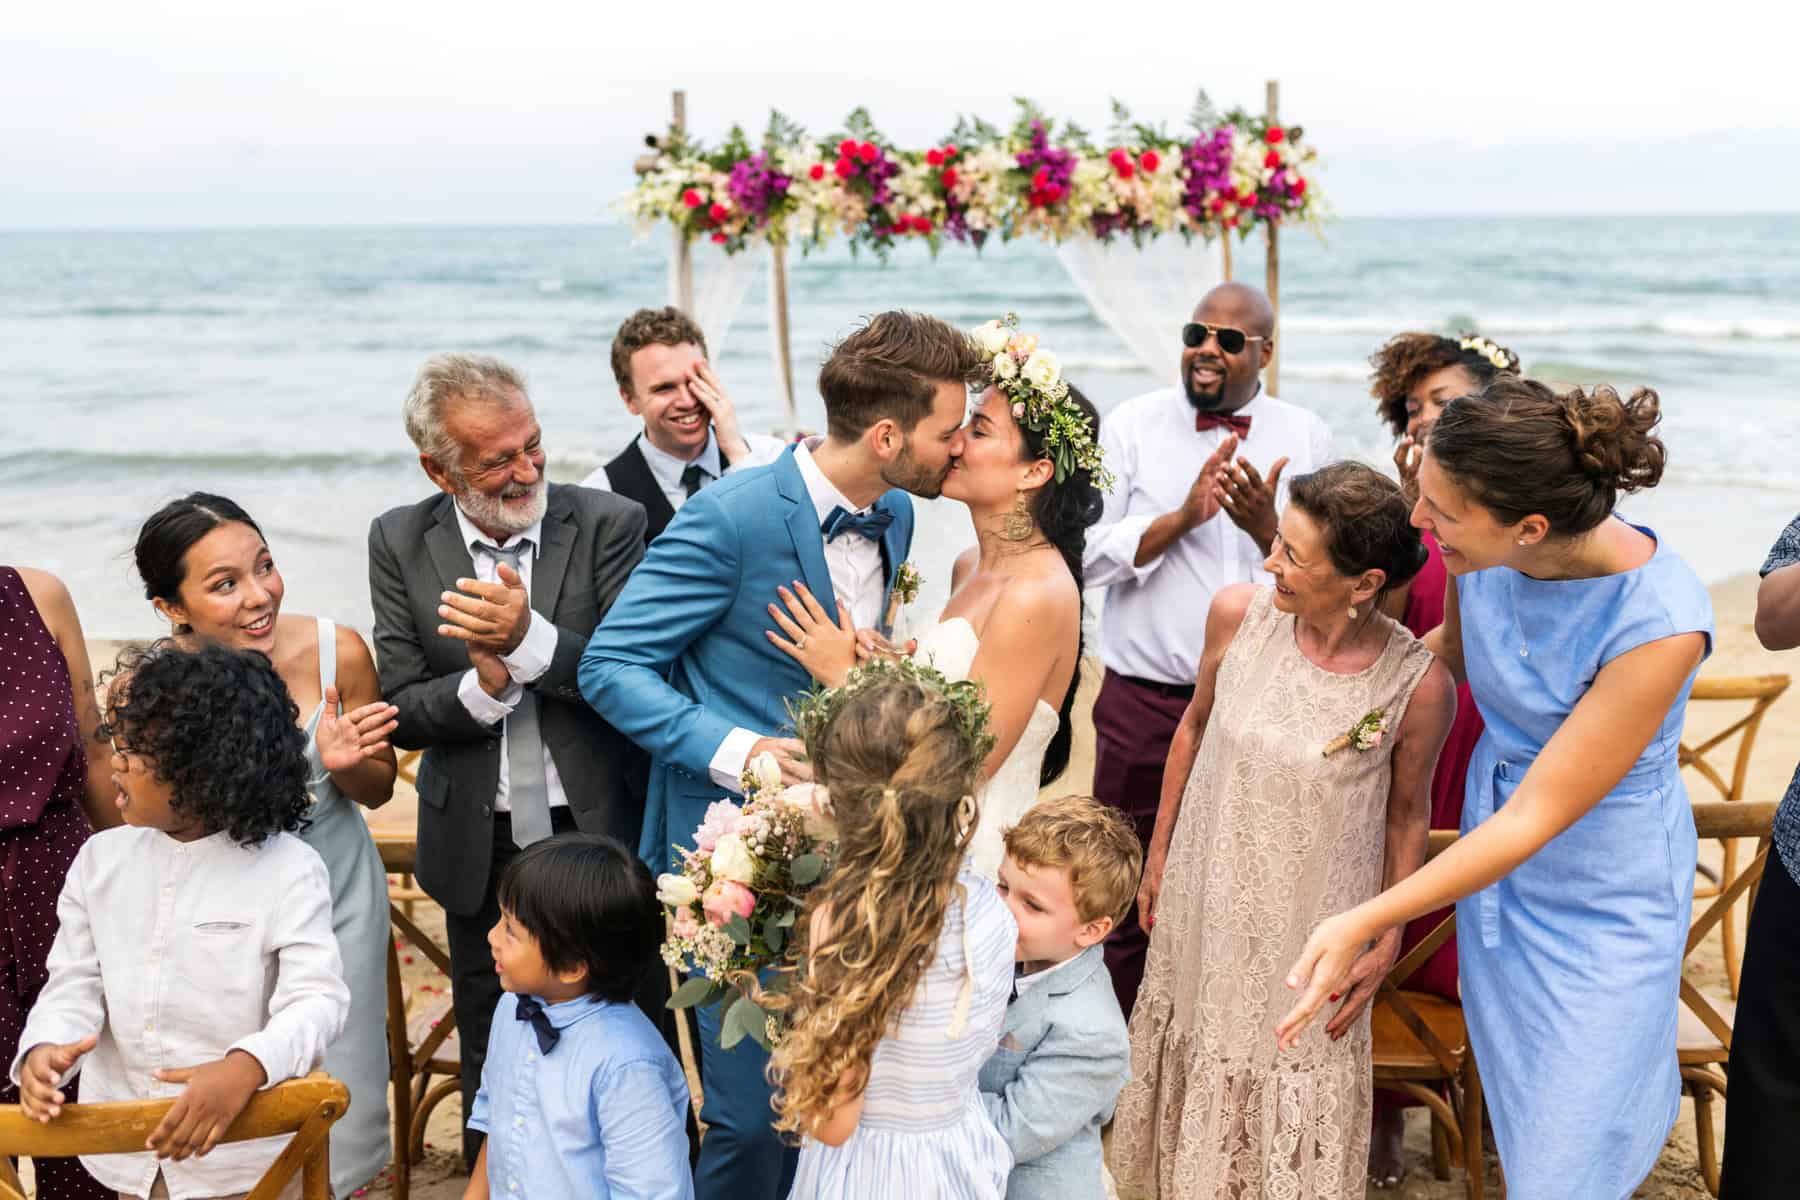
{"points": [[1268, 823]]}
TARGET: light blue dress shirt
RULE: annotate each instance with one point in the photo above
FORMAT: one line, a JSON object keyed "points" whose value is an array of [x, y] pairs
{"points": [[602, 1115]]}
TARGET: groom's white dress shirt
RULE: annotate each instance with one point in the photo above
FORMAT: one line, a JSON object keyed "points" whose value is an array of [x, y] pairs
{"points": [[854, 563], [1153, 625]]}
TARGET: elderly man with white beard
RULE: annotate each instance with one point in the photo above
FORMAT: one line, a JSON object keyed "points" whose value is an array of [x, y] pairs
{"points": [[485, 596]]}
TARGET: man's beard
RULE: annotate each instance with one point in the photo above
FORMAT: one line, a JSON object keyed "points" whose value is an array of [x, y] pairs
{"points": [[1203, 401], [909, 475], [510, 512]]}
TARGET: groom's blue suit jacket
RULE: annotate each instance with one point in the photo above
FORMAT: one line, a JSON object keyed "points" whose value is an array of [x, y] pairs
{"points": [[681, 658]]}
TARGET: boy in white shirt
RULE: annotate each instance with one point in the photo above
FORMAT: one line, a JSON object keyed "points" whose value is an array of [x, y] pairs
{"points": [[194, 956]]}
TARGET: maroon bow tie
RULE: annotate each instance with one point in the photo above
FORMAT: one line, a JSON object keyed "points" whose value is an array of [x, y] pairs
{"points": [[1236, 422]]}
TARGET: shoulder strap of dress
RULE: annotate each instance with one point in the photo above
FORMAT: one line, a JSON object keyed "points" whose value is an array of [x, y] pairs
{"points": [[1407, 661], [327, 654]]}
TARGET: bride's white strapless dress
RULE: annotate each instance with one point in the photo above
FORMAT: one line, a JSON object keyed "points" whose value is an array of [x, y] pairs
{"points": [[949, 647]]}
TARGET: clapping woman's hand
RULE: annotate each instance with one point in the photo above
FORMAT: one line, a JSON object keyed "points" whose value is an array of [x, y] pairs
{"points": [[827, 651], [361, 733]]}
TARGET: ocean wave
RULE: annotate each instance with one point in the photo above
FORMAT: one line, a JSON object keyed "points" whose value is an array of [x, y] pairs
{"points": [[1695, 328], [102, 464]]}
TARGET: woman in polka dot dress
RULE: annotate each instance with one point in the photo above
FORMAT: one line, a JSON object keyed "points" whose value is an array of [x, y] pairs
{"points": [[54, 787]]}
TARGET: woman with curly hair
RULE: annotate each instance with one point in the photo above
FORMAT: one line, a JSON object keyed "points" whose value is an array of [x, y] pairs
{"points": [[908, 953], [208, 571], [195, 957], [1416, 375], [1581, 635]]}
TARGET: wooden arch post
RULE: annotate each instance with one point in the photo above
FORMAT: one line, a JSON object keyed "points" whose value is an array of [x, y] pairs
{"points": [[1273, 286]]}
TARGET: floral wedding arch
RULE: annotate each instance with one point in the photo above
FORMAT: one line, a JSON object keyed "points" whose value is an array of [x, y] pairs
{"points": [[1103, 203]]}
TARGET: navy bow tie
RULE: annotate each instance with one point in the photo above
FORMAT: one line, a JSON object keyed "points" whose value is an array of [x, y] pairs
{"points": [[547, 1034], [871, 524]]}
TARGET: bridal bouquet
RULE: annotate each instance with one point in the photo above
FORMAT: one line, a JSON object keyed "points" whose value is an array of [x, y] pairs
{"points": [[739, 891]]}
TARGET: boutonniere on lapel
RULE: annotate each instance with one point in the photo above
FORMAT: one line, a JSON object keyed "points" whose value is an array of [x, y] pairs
{"points": [[1363, 736], [906, 589]]}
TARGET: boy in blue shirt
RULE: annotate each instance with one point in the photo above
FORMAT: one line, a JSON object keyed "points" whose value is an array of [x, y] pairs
{"points": [[1071, 872], [579, 1095]]}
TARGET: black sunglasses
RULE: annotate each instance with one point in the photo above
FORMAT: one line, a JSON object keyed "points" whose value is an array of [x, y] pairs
{"points": [[1231, 341]]}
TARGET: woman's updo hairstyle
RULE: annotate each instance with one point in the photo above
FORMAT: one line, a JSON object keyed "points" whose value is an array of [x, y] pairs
{"points": [[1065, 511], [1365, 519], [1518, 447], [1407, 358], [171, 531]]}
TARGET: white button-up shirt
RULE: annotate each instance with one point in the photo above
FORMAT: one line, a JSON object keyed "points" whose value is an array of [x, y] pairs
{"points": [[176, 953], [527, 662], [668, 469], [854, 563], [1153, 625]]}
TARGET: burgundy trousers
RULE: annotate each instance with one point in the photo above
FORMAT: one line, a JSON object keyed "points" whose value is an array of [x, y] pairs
{"points": [[1134, 722]]}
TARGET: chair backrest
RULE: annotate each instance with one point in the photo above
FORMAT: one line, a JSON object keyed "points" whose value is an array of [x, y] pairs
{"points": [[305, 1108], [1389, 993], [1725, 819], [1761, 691]]}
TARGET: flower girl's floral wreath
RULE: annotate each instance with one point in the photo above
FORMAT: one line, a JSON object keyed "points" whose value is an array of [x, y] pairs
{"points": [[1031, 379], [813, 712], [1497, 356]]}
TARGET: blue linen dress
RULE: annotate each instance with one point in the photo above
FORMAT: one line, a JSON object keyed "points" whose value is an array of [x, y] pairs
{"points": [[359, 918], [925, 1132], [1570, 964]]}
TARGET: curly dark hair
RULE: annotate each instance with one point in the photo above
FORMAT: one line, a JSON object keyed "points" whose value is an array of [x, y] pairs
{"points": [[218, 726], [1409, 357], [1065, 511]]}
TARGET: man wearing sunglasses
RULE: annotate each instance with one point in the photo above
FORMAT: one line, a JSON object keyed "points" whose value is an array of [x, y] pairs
{"points": [[1199, 469]]}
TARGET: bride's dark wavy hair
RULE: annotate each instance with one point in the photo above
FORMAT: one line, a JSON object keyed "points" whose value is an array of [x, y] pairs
{"points": [[1064, 511]]}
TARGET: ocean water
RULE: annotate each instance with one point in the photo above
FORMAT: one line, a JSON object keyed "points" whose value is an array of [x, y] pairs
{"points": [[269, 364]]}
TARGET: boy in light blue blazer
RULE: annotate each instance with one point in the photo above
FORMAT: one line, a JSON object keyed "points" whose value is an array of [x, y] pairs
{"points": [[1070, 873]]}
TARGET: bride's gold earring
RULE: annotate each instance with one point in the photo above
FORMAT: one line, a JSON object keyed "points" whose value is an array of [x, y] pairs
{"points": [[1019, 525], [1353, 612]]}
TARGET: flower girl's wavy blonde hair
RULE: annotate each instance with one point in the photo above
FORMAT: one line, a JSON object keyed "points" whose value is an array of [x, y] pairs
{"points": [[901, 772]]}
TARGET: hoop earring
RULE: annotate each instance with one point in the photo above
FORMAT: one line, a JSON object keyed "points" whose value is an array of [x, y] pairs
{"points": [[1019, 526]]}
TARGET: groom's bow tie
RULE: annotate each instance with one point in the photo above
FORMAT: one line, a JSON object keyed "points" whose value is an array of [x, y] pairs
{"points": [[871, 524], [547, 1034]]}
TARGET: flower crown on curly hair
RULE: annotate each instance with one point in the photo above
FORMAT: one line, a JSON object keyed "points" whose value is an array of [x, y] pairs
{"points": [[812, 714], [1031, 379], [1498, 356]]}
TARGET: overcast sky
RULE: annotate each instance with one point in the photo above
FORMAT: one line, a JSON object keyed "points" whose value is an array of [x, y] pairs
{"points": [[204, 112]]}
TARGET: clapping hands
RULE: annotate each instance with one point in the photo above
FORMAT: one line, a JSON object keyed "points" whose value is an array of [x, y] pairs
{"points": [[362, 733]]}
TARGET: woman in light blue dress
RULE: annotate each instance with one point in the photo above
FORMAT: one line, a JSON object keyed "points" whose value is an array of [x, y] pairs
{"points": [[1580, 636], [207, 570]]}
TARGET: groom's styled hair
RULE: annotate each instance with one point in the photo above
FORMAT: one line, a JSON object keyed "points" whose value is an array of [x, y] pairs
{"points": [[891, 367]]}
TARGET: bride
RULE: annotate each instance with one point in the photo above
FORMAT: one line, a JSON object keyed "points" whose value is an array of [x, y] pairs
{"points": [[1029, 472]]}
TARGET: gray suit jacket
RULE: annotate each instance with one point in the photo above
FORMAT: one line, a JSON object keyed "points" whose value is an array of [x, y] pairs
{"points": [[592, 540], [1051, 1085]]}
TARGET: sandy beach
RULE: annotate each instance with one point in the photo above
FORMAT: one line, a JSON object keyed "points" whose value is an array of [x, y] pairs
{"points": [[1676, 1177]]}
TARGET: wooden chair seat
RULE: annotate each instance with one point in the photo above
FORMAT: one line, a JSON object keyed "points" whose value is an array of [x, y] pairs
{"points": [[1694, 1042], [1399, 1054]]}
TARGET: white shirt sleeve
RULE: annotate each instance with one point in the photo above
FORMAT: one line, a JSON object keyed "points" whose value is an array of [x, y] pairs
{"points": [[727, 766], [1322, 452], [489, 710], [763, 451], [72, 1004], [311, 1001], [1112, 544], [531, 657]]}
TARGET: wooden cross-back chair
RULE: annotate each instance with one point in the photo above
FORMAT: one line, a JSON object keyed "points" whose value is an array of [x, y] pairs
{"points": [[1703, 1036], [1421, 1047], [305, 1108], [1760, 691]]}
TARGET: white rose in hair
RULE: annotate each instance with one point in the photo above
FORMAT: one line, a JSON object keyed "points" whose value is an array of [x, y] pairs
{"points": [[992, 337], [813, 803], [766, 771], [676, 891], [1042, 370], [731, 860], [1005, 368]]}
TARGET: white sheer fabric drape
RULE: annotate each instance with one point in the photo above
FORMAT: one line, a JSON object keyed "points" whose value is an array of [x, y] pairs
{"points": [[1145, 295], [721, 282]]}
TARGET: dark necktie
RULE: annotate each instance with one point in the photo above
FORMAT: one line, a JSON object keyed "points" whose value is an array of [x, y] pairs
{"points": [[1235, 422], [527, 787], [870, 525], [693, 478], [547, 1034]]}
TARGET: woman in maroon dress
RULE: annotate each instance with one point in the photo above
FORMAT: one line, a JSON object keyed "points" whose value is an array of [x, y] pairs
{"points": [[1416, 375], [54, 788]]}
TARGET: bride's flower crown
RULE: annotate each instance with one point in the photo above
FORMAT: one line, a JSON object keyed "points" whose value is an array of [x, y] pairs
{"points": [[1031, 379], [1498, 356]]}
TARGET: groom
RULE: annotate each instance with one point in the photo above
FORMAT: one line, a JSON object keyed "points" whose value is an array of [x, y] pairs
{"points": [[682, 666]]}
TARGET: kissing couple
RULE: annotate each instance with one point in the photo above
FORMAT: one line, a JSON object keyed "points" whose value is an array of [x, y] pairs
{"points": [[780, 576]]}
